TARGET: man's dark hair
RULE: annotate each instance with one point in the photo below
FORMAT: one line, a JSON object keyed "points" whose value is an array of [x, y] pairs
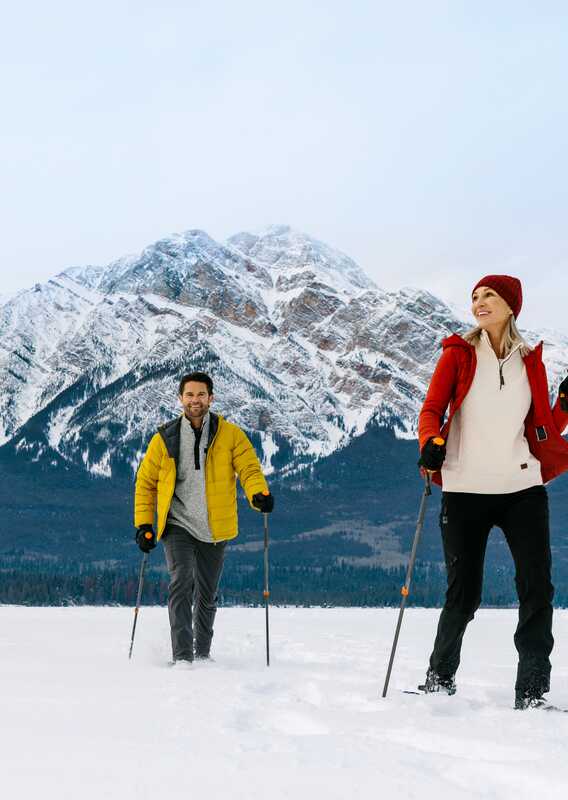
{"points": [[200, 377]]}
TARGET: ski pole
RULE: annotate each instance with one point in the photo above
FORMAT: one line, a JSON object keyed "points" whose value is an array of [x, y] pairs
{"points": [[266, 592], [138, 599], [405, 590]]}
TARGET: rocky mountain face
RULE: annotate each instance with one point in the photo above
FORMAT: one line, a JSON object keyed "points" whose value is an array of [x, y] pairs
{"points": [[304, 349], [324, 370]]}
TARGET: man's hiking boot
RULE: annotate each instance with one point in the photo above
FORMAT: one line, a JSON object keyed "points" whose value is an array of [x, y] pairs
{"points": [[181, 663]]}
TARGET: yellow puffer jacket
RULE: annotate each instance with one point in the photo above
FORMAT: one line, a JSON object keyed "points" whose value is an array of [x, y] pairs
{"points": [[229, 453]]}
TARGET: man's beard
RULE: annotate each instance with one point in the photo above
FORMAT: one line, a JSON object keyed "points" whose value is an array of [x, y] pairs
{"points": [[196, 411]]}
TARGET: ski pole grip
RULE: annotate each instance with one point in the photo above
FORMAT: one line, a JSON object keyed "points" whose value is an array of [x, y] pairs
{"points": [[438, 440], [266, 493], [148, 535]]}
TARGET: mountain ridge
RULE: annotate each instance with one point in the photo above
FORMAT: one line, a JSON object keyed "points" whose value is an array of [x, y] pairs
{"points": [[306, 351]]}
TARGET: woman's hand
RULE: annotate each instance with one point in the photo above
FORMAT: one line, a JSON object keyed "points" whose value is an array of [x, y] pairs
{"points": [[433, 454]]}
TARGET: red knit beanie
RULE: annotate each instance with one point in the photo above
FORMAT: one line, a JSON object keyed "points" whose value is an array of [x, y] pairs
{"points": [[507, 287]]}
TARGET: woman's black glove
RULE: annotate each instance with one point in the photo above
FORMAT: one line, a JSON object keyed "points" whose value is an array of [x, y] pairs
{"points": [[146, 538], [563, 394], [264, 502], [433, 454]]}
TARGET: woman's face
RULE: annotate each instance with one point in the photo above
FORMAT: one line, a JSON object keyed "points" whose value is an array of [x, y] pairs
{"points": [[489, 308]]}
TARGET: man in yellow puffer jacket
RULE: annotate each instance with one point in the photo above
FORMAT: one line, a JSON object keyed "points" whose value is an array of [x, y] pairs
{"points": [[188, 480]]}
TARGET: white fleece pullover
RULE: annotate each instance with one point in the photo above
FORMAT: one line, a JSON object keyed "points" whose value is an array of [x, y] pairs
{"points": [[487, 452]]}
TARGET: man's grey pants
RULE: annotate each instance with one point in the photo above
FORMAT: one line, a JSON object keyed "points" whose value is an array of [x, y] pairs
{"points": [[195, 571]]}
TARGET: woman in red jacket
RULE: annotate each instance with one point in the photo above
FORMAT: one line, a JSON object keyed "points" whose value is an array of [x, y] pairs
{"points": [[503, 442]]}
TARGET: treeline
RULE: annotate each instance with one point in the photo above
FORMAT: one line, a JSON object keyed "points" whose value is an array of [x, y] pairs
{"points": [[35, 583]]}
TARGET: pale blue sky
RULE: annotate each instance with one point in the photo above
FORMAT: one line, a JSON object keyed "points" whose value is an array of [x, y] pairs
{"points": [[425, 139]]}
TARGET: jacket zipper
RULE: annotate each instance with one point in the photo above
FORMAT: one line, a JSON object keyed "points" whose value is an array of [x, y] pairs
{"points": [[502, 363], [196, 445]]}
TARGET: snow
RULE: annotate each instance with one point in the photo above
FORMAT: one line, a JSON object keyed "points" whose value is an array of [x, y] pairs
{"points": [[57, 426], [81, 721], [5, 297], [269, 450], [279, 248]]}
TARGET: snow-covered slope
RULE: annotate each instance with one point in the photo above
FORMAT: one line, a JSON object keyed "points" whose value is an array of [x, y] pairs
{"points": [[303, 347], [81, 721], [5, 297]]}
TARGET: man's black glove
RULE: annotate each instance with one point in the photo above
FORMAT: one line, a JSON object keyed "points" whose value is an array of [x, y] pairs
{"points": [[146, 538], [433, 454], [563, 394], [264, 502]]}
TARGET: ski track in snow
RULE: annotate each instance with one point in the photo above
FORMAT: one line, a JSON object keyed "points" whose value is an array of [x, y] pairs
{"points": [[81, 721]]}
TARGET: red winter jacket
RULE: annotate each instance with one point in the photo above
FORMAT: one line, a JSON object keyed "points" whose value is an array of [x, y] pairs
{"points": [[450, 384]]}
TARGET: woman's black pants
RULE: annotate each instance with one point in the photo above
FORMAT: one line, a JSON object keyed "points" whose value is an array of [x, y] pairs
{"points": [[466, 520]]}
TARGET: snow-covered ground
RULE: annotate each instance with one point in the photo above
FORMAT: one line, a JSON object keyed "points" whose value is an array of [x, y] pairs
{"points": [[78, 720]]}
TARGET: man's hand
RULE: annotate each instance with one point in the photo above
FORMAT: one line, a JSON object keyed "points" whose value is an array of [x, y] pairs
{"points": [[563, 394], [433, 454], [264, 502], [146, 538]]}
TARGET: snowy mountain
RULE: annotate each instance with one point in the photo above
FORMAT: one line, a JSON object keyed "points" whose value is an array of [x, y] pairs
{"points": [[304, 349]]}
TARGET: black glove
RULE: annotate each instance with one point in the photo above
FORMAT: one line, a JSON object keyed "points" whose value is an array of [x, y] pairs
{"points": [[563, 393], [432, 455], [145, 542], [264, 502]]}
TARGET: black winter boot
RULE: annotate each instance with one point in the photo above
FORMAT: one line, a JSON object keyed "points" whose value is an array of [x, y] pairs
{"points": [[529, 698], [437, 683]]}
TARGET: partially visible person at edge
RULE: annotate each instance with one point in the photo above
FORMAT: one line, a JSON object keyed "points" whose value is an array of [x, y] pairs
{"points": [[188, 476], [502, 443]]}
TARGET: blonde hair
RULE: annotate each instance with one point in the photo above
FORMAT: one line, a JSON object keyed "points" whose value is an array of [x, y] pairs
{"points": [[510, 339]]}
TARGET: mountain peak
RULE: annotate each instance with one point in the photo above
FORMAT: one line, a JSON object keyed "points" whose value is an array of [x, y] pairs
{"points": [[281, 247]]}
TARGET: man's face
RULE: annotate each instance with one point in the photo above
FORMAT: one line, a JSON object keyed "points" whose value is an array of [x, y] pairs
{"points": [[195, 400]]}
